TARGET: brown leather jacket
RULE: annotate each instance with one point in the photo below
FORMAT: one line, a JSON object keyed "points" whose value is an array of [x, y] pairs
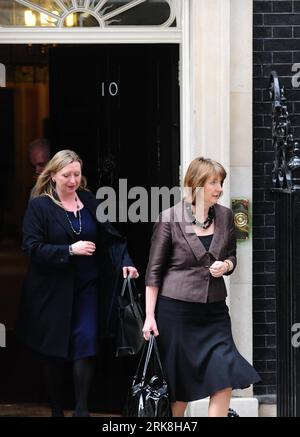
{"points": [[178, 262]]}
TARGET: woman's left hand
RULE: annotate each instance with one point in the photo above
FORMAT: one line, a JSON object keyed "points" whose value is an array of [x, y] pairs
{"points": [[218, 268], [131, 271]]}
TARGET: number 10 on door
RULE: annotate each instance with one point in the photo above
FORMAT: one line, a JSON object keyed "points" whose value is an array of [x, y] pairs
{"points": [[111, 89]]}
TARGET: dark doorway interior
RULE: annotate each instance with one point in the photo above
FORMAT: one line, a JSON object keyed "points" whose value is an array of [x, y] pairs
{"points": [[118, 107]]}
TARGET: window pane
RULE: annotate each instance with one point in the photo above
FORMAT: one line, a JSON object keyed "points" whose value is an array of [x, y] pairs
{"points": [[48, 5], [151, 12], [16, 14], [91, 13], [80, 19]]}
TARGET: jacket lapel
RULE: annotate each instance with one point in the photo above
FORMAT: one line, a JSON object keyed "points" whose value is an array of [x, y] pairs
{"points": [[185, 223], [192, 239], [59, 215], [88, 201]]}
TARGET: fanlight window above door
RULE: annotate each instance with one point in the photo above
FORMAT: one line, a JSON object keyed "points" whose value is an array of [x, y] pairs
{"points": [[89, 13]]}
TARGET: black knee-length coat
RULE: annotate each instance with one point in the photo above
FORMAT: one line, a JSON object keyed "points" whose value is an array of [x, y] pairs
{"points": [[44, 322]]}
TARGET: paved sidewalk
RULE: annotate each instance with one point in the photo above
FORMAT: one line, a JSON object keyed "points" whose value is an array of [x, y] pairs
{"points": [[35, 410]]}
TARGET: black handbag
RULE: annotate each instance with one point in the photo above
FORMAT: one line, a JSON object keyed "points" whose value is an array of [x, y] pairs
{"points": [[148, 395], [129, 340]]}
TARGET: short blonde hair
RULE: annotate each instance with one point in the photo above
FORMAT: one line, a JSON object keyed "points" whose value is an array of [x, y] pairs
{"points": [[44, 185], [200, 169]]}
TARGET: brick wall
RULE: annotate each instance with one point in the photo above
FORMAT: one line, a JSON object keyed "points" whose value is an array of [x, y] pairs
{"points": [[276, 47]]}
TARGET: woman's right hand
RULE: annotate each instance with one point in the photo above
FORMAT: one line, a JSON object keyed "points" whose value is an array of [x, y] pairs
{"points": [[150, 326], [85, 248]]}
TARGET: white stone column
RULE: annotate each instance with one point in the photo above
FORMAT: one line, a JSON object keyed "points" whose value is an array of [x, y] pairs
{"points": [[241, 169], [221, 128], [210, 81]]}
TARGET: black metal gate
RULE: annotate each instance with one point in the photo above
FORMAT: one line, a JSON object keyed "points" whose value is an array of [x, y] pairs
{"points": [[286, 191]]}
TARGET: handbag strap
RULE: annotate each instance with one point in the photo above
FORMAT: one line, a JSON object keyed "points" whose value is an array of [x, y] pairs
{"points": [[158, 358], [130, 283], [147, 360], [127, 281], [150, 346], [147, 349]]}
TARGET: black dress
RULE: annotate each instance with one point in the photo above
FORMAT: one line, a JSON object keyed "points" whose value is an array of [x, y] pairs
{"points": [[84, 337], [197, 348]]}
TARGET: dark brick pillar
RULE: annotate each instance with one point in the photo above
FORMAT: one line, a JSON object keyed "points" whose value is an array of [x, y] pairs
{"points": [[276, 46]]}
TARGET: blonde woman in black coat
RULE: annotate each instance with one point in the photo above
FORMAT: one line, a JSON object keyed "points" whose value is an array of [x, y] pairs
{"points": [[71, 256]]}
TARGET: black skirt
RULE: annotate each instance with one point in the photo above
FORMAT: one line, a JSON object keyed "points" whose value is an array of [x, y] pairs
{"points": [[197, 349]]}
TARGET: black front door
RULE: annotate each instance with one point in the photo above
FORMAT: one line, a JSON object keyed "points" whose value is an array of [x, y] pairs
{"points": [[118, 107]]}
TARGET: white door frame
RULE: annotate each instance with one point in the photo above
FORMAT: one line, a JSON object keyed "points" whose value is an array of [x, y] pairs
{"points": [[125, 35]]}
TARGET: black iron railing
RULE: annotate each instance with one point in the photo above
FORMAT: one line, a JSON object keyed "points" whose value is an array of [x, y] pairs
{"points": [[286, 189]]}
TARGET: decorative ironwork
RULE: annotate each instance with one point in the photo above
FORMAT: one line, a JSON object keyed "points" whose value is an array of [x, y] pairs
{"points": [[100, 13], [286, 165]]}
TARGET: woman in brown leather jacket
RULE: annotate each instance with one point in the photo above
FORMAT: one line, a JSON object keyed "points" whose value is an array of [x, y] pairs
{"points": [[193, 247]]}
